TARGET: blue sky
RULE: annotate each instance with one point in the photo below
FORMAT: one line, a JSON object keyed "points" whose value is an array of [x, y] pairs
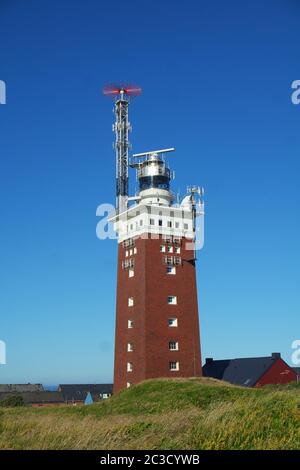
{"points": [[216, 79]]}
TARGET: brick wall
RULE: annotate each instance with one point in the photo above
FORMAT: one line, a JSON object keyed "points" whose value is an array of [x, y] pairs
{"points": [[151, 334]]}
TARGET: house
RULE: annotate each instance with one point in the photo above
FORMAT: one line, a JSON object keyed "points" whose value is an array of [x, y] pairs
{"points": [[297, 370], [77, 393], [38, 398], [251, 371], [20, 388]]}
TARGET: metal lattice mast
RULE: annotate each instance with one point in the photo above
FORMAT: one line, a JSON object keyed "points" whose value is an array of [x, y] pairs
{"points": [[122, 128]]}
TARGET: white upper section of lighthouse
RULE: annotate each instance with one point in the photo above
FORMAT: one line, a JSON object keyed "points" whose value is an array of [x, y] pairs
{"points": [[153, 211]]}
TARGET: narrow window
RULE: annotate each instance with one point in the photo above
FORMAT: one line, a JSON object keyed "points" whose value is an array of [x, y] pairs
{"points": [[174, 365], [162, 248], [126, 253], [130, 302], [171, 270], [130, 272], [173, 346], [176, 224], [172, 300], [129, 384], [129, 367], [170, 249], [177, 249], [169, 223], [130, 323], [186, 226], [173, 322], [135, 250], [160, 222], [129, 347], [151, 221]]}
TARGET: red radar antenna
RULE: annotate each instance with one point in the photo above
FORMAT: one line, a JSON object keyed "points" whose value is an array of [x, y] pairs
{"points": [[122, 89], [122, 94]]}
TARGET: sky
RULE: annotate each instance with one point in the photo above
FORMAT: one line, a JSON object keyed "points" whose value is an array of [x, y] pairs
{"points": [[216, 78]]}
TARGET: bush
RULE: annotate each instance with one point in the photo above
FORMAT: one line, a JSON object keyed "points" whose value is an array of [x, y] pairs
{"points": [[13, 400]]}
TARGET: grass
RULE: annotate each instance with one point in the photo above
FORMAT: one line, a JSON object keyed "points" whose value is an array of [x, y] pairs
{"points": [[163, 414]]}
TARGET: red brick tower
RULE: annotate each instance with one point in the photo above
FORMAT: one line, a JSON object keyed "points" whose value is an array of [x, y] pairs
{"points": [[157, 326]]}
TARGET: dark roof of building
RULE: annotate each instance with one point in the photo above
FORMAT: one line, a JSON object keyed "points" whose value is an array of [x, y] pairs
{"points": [[32, 398], [297, 370], [21, 388], [243, 371], [78, 392]]}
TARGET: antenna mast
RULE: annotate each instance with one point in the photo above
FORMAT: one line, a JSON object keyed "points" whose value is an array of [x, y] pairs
{"points": [[121, 128]]}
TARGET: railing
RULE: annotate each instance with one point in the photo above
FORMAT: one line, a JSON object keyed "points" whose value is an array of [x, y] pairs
{"points": [[172, 260], [128, 263], [128, 243]]}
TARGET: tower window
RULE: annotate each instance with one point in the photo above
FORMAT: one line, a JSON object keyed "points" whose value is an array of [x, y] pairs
{"points": [[173, 322], [162, 248], [130, 272], [174, 365], [173, 346], [171, 270], [126, 253], [130, 302], [129, 347], [129, 367], [172, 300], [170, 249], [135, 250], [130, 323]]}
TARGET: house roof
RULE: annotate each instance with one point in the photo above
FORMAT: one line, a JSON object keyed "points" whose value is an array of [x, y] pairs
{"points": [[21, 388], [31, 398], [242, 371], [78, 392]]}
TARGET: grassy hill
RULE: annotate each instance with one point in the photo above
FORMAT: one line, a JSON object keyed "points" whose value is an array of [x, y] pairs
{"points": [[163, 414]]}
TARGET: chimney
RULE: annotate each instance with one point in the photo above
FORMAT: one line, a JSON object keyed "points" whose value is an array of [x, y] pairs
{"points": [[276, 355]]}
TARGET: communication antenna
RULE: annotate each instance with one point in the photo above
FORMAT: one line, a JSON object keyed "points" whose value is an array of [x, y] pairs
{"points": [[122, 127], [153, 152]]}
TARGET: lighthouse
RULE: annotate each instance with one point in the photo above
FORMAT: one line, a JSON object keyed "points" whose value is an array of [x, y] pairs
{"points": [[157, 325]]}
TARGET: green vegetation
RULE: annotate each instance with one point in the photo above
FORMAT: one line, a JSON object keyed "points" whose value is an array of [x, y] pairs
{"points": [[163, 414], [11, 401]]}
